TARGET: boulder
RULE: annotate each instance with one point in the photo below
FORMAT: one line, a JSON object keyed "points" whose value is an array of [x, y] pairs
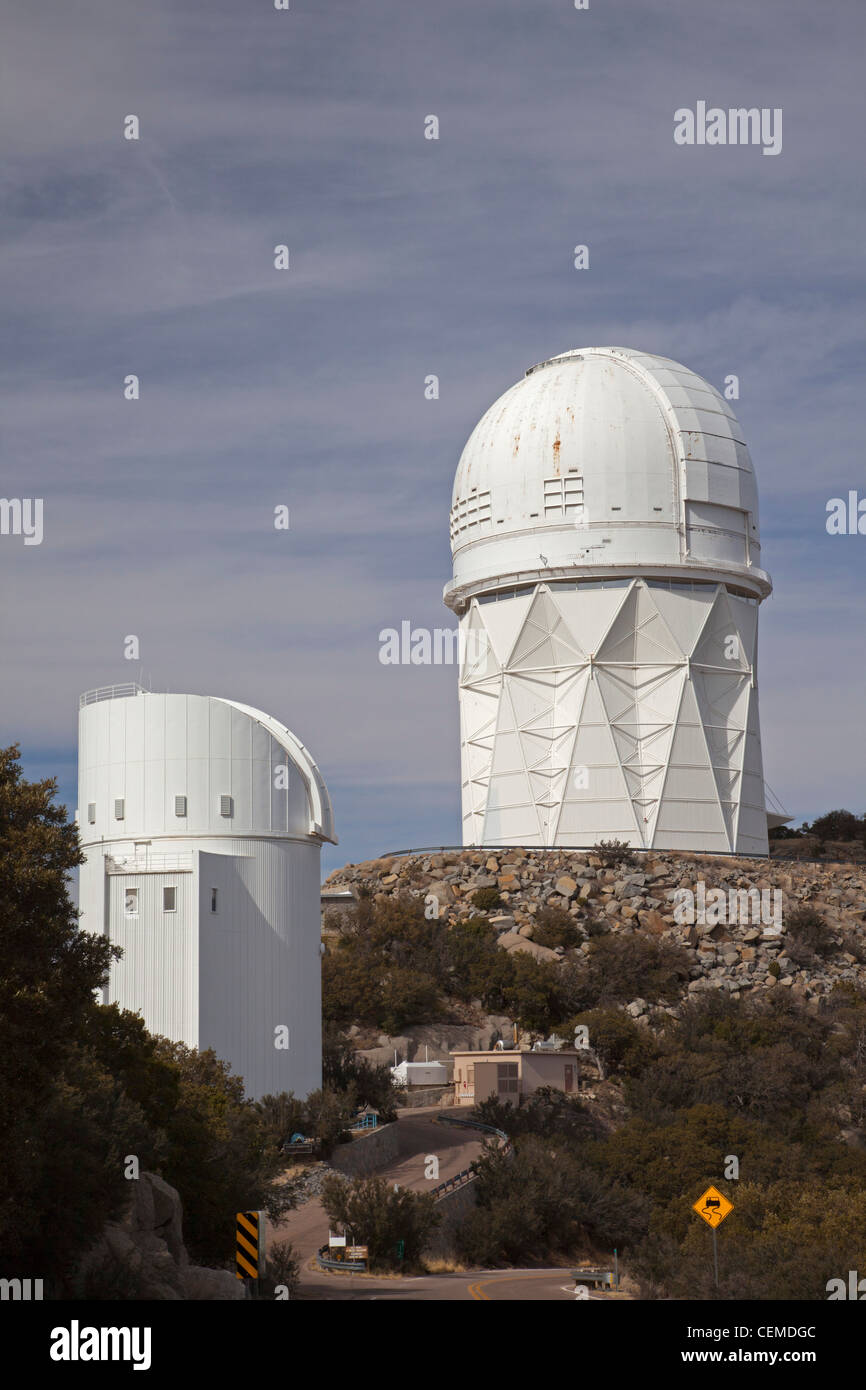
{"points": [[142, 1255], [513, 941]]}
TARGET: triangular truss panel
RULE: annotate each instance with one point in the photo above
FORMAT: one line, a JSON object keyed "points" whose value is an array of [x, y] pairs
{"points": [[625, 713], [684, 613], [478, 661], [721, 645], [544, 641], [503, 619]]}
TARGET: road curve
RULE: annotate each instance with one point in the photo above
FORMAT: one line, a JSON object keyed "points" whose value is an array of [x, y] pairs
{"points": [[455, 1148]]}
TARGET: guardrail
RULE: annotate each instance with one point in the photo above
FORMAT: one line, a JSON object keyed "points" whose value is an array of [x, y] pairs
{"points": [[466, 1175], [339, 1266], [594, 1276]]}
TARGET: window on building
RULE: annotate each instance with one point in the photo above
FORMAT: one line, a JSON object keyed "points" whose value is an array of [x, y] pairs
{"points": [[169, 899], [213, 899], [506, 1078], [119, 809], [91, 812], [226, 806], [130, 902], [180, 805]]}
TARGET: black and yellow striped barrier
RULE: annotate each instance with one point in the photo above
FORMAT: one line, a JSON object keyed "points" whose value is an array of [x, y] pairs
{"points": [[248, 1245]]}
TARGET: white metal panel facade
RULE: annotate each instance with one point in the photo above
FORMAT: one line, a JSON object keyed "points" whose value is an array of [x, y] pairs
{"points": [[226, 979], [158, 974], [260, 965]]}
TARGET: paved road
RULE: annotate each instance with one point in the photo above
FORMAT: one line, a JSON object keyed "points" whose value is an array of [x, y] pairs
{"points": [[482, 1286], [455, 1148], [307, 1228]]}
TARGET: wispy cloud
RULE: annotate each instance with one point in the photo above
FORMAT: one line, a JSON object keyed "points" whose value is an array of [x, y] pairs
{"points": [[408, 257]]}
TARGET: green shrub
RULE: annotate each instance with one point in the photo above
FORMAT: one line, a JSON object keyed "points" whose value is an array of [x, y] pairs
{"points": [[838, 825], [620, 967], [547, 1113], [545, 1202], [808, 935], [486, 899], [614, 853], [556, 927], [282, 1270], [372, 1213], [620, 1045]]}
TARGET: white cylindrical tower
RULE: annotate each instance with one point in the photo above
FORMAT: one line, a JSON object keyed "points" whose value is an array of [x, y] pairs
{"points": [[604, 530], [202, 821]]}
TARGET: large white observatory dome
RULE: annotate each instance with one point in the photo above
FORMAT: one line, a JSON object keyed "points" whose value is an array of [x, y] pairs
{"points": [[604, 529], [605, 458]]}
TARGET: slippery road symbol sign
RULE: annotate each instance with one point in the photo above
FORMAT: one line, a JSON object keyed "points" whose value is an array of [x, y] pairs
{"points": [[713, 1206]]}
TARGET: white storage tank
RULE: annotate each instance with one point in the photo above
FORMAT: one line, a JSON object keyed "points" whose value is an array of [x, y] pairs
{"points": [[202, 822], [607, 577], [421, 1074]]}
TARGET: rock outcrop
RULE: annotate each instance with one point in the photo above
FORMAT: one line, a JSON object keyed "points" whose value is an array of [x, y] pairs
{"points": [[745, 955], [142, 1256]]}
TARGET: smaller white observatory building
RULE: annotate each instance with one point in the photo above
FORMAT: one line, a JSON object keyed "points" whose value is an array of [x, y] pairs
{"points": [[202, 822], [607, 578]]}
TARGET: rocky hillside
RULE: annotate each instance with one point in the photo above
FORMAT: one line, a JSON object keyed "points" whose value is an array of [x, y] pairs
{"points": [[741, 956]]}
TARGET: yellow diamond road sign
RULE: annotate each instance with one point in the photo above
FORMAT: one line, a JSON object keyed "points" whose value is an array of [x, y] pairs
{"points": [[713, 1206]]}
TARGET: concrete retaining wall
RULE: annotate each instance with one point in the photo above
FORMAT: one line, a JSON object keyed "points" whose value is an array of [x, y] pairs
{"points": [[368, 1152], [453, 1208], [428, 1095]]}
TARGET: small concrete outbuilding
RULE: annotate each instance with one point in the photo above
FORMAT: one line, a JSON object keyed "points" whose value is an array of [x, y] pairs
{"points": [[507, 1076]]}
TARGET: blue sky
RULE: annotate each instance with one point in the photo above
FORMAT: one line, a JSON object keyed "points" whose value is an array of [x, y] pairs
{"points": [[408, 257]]}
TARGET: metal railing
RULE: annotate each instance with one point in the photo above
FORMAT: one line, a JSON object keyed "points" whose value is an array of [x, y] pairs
{"points": [[443, 1189], [110, 692], [762, 859], [149, 863]]}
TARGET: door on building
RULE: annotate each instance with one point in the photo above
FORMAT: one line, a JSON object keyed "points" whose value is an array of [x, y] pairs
{"points": [[569, 1077]]}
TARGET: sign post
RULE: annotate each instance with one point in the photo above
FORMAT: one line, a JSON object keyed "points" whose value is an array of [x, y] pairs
{"points": [[713, 1206]]}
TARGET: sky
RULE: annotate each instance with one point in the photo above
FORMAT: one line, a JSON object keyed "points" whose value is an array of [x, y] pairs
{"points": [[408, 257]]}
